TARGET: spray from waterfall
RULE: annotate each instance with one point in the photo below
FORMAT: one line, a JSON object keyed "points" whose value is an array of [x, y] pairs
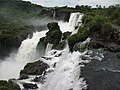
{"points": [[12, 65]]}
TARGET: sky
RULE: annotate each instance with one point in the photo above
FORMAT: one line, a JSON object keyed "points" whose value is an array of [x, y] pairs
{"points": [[51, 3]]}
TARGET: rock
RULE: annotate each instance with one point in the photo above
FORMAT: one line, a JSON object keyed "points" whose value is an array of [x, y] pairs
{"points": [[39, 79], [35, 68], [62, 15], [30, 86], [23, 76], [54, 34], [118, 55], [94, 43], [113, 47]]}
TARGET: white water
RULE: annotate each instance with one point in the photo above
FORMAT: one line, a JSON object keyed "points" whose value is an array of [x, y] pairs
{"points": [[75, 19], [67, 71], [66, 74], [12, 65]]}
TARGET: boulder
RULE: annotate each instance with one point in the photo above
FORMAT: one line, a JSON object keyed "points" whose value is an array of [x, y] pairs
{"points": [[113, 47], [30, 86], [39, 79], [118, 55], [35, 68], [23, 76]]}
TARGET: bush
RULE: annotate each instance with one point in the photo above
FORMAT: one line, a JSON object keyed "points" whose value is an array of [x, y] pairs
{"points": [[4, 85], [106, 29], [81, 35], [97, 23]]}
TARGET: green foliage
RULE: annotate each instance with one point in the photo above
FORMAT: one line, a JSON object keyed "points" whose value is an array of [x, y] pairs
{"points": [[70, 89], [4, 85], [83, 8], [97, 23], [60, 45], [54, 34], [81, 35], [106, 29], [66, 35]]}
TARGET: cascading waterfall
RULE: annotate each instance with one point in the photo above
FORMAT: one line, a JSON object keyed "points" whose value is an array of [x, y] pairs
{"points": [[65, 66], [75, 19], [66, 72], [25, 54], [27, 50], [54, 14]]}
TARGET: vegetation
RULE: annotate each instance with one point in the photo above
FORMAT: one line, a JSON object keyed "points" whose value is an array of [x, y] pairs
{"points": [[14, 23], [4, 85], [53, 36], [81, 35]]}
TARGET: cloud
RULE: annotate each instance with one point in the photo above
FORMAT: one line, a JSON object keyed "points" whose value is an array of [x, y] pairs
{"points": [[75, 2]]}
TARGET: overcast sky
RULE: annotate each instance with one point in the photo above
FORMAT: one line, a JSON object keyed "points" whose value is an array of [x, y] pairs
{"points": [[74, 2]]}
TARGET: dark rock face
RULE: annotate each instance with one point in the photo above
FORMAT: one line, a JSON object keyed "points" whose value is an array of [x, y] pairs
{"points": [[39, 79], [23, 76], [99, 43], [30, 86], [53, 36], [108, 38], [35, 68], [118, 55], [62, 15], [103, 75]]}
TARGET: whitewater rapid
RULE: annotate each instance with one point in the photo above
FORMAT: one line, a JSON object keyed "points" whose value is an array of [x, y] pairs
{"points": [[11, 66], [65, 66]]}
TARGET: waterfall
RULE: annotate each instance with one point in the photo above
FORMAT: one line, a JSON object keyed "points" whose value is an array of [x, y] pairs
{"points": [[27, 50], [65, 66], [66, 73], [54, 14], [48, 48], [11, 66], [75, 19]]}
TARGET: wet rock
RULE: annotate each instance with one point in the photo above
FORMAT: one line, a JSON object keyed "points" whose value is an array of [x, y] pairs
{"points": [[102, 75], [118, 55], [96, 44], [35, 68], [47, 58], [58, 55], [113, 47], [39, 79], [23, 76], [30, 86]]}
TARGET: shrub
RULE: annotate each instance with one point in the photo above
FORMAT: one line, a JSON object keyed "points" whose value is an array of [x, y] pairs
{"points": [[81, 35]]}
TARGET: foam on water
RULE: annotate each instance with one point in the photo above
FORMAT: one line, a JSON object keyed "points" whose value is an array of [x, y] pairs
{"points": [[11, 66]]}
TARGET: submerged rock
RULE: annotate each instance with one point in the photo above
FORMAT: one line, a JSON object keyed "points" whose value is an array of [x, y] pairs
{"points": [[35, 68]]}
